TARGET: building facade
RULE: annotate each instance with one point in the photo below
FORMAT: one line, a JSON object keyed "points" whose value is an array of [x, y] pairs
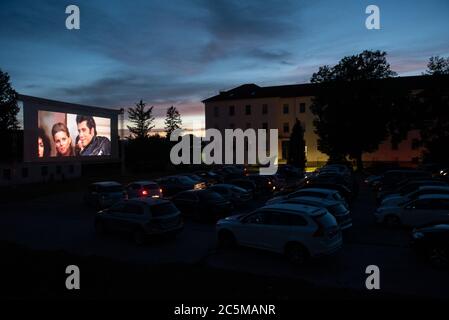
{"points": [[278, 107]]}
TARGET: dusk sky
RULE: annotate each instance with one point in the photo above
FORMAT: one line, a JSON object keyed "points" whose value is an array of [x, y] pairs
{"points": [[176, 52]]}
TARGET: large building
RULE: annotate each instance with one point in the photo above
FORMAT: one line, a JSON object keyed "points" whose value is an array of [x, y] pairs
{"points": [[278, 107]]}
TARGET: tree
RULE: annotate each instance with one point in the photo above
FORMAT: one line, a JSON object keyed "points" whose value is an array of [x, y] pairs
{"points": [[297, 146], [141, 119], [432, 116], [352, 107], [438, 66], [172, 121], [8, 104]]}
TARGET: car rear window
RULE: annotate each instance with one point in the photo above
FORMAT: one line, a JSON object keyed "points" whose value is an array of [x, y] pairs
{"points": [[163, 209], [151, 186], [110, 188]]}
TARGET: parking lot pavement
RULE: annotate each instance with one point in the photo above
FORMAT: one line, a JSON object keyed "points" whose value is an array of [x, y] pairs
{"points": [[62, 222]]}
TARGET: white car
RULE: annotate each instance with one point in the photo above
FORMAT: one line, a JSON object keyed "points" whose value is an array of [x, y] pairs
{"points": [[327, 194], [299, 231], [426, 209], [398, 199]]}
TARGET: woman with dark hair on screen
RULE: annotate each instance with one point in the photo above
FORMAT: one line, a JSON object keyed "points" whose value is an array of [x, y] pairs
{"points": [[63, 142], [43, 144]]}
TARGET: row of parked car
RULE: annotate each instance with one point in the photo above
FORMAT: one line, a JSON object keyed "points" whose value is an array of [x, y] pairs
{"points": [[302, 218], [203, 195], [419, 200]]}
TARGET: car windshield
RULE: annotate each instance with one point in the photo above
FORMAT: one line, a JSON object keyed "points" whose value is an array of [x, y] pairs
{"points": [[163, 209], [238, 189], [110, 189]]}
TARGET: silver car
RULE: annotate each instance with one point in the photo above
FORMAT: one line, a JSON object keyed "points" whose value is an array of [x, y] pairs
{"points": [[426, 209], [140, 217]]}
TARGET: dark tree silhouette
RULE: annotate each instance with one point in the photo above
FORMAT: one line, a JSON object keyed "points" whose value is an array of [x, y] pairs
{"points": [[352, 107], [432, 115], [297, 145], [8, 104], [438, 66], [141, 119], [172, 121]]}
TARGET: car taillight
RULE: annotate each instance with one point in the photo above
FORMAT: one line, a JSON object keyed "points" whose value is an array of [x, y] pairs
{"points": [[144, 192], [320, 231], [160, 191]]}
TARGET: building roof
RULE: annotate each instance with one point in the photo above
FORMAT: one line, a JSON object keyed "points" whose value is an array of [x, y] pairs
{"points": [[253, 91]]}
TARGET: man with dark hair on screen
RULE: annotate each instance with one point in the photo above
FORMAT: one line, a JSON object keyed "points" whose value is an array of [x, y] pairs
{"points": [[88, 143]]}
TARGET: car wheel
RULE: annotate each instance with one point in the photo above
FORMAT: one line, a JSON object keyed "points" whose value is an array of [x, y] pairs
{"points": [[139, 237], [296, 254], [392, 221], [438, 257], [226, 239]]}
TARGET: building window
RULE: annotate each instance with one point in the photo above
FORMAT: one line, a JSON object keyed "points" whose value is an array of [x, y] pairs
{"points": [[285, 108], [265, 125], [302, 107], [231, 110], [285, 149], [216, 112], [286, 127], [248, 109], [264, 108], [24, 172]]}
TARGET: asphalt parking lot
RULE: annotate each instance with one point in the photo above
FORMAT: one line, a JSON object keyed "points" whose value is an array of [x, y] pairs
{"points": [[62, 222]]}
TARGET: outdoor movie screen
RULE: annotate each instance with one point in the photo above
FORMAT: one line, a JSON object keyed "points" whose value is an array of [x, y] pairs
{"points": [[72, 135]]}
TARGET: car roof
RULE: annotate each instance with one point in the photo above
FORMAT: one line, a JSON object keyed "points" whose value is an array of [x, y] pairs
{"points": [[434, 196], [296, 208], [107, 183], [144, 182], [320, 190], [313, 200], [437, 187]]}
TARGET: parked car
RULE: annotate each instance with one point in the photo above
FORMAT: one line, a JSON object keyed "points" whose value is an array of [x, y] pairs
{"points": [[311, 192], [210, 177], [103, 194], [173, 184], [246, 184], [344, 191], [143, 189], [237, 196], [398, 199], [290, 172], [200, 183], [432, 242], [426, 209], [141, 218], [335, 208], [264, 184], [391, 178], [408, 186], [299, 231], [205, 205]]}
